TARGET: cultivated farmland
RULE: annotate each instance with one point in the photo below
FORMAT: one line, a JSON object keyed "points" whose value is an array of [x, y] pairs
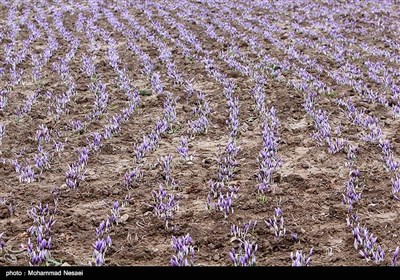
{"points": [[199, 132]]}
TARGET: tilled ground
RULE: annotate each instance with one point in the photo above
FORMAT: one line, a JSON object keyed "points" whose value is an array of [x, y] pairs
{"points": [[308, 186]]}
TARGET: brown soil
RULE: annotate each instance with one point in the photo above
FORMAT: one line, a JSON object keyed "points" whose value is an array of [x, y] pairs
{"points": [[308, 187]]}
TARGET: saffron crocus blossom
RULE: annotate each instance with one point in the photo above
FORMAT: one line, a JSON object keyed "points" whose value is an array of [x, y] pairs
{"points": [[78, 126], [101, 98], [27, 107], [353, 189], [58, 147], [165, 162], [198, 126], [131, 177], [395, 256], [224, 203], [104, 241], [26, 173], [183, 149], [43, 134], [165, 205], [96, 141], [276, 224], [396, 187], [366, 241], [156, 84], [245, 255], [184, 251], [100, 248], [299, 259], [170, 109], [2, 243], [39, 243], [74, 175], [88, 66], [242, 232], [227, 163], [42, 159], [3, 99], [2, 132], [268, 158]]}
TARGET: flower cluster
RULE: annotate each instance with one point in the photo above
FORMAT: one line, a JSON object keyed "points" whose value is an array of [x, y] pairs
{"points": [[43, 134], [88, 66], [245, 255], [241, 233], [42, 159], [267, 158], [76, 171], [150, 142], [94, 145], [299, 259], [3, 99], [103, 242], [165, 163], [353, 189], [156, 84], [26, 174], [396, 187], [101, 98], [165, 205], [170, 109], [222, 202], [184, 250], [365, 242], [39, 244], [276, 225], [77, 126], [183, 149], [27, 107], [227, 163], [201, 111], [321, 122], [132, 176]]}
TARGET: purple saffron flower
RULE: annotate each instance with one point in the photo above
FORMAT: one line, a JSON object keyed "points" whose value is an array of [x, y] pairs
{"points": [[246, 254], [78, 126], [96, 142], [165, 205], [396, 187], [184, 250], [156, 84], [165, 163], [299, 259], [58, 147], [2, 132], [183, 149], [276, 224], [395, 256], [132, 176], [2, 243]]}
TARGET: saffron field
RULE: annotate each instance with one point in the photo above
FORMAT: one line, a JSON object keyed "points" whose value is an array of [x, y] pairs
{"points": [[199, 132]]}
